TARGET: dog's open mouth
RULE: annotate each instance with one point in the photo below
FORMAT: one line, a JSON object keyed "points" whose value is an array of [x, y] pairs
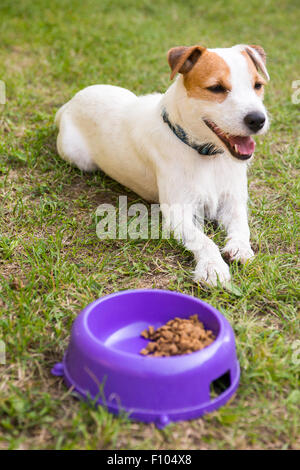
{"points": [[241, 147]]}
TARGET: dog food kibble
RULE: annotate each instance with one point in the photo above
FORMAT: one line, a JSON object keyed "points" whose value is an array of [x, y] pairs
{"points": [[178, 336]]}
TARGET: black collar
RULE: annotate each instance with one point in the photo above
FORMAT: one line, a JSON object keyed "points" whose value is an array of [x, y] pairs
{"points": [[202, 149]]}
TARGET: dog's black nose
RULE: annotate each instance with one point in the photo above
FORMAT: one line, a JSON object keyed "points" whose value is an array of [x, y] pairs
{"points": [[255, 121]]}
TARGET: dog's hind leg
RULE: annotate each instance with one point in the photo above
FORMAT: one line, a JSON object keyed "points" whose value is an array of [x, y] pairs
{"points": [[71, 144]]}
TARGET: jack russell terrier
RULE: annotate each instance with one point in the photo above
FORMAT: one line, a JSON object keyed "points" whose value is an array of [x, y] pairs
{"points": [[187, 148]]}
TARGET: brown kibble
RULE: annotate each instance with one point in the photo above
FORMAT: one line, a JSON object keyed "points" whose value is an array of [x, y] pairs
{"points": [[151, 347], [184, 344], [151, 330], [145, 334], [167, 334], [173, 349], [177, 336], [144, 352]]}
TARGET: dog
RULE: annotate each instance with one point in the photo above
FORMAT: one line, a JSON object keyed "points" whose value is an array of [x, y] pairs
{"points": [[189, 147]]}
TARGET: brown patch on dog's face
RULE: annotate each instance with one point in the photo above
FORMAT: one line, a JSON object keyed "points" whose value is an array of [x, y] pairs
{"points": [[256, 78], [209, 79]]}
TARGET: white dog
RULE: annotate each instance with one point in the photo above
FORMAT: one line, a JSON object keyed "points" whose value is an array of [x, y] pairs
{"points": [[186, 148]]}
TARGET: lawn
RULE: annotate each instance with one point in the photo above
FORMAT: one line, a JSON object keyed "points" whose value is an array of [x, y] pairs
{"points": [[52, 264]]}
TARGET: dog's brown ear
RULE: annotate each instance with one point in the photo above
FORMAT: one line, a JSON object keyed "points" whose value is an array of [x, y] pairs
{"points": [[259, 57], [261, 52], [182, 59]]}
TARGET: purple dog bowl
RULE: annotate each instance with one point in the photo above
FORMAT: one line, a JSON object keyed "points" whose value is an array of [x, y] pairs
{"points": [[103, 362]]}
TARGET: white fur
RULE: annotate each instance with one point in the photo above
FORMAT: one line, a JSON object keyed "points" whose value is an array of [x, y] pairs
{"points": [[124, 135]]}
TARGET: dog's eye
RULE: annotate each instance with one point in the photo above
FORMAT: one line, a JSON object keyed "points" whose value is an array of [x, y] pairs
{"points": [[258, 86], [217, 89]]}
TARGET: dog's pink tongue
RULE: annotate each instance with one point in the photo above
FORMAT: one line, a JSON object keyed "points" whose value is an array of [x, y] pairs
{"points": [[245, 145]]}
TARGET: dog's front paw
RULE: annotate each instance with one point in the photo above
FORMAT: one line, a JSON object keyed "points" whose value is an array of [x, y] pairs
{"points": [[211, 271], [237, 250]]}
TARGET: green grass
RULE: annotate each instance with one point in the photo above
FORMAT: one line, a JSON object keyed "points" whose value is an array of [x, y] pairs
{"points": [[52, 264]]}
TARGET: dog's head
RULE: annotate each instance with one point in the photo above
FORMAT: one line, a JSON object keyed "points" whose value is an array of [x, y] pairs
{"points": [[224, 89]]}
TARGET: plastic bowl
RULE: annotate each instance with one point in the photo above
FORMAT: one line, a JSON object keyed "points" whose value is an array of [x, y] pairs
{"points": [[103, 362]]}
